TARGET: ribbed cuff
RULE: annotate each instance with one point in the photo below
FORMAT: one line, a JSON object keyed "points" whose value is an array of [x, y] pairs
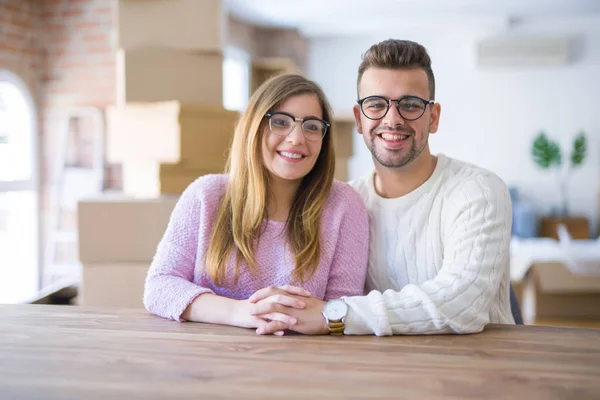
{"points": [[354, 324]]}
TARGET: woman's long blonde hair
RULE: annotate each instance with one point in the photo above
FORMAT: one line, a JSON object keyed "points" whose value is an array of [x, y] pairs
{"points": [[245, 203]]}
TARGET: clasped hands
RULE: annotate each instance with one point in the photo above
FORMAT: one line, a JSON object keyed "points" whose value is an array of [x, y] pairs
{"points": [[276, 309]]}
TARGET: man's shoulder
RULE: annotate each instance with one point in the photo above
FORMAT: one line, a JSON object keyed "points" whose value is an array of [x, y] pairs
{"points": [[465, 179], [363, 185]]}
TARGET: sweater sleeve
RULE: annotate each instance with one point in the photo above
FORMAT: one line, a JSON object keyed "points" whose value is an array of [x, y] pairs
{"points": [[477, 220], [169, 286], [348, 268]]}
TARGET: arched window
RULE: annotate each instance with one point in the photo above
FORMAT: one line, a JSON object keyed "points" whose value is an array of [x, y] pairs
{"points": [[19, 192]]}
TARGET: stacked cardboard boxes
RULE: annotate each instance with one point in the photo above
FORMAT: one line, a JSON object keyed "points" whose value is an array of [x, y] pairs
{"points": [[118, 236], [170, 50], [165, 146], [167, 128], [169, 125]]}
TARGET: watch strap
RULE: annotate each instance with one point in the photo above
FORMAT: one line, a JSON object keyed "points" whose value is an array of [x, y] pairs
{"points": [[336, 327]]}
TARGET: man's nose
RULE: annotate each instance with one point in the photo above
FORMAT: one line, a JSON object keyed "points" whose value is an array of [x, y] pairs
{"points": [[393, 117]]}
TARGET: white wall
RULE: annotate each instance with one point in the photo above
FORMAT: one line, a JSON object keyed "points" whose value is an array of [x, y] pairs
{"points": [[491, 117]]}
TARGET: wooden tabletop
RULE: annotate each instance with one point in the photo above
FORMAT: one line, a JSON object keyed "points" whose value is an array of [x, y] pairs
{"points": [[68, 352]]}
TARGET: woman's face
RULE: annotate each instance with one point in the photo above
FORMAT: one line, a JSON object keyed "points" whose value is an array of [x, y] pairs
{"points": [[290, 148]]}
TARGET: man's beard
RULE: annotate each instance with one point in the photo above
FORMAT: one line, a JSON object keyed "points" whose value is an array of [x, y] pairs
{"points": [[391, 158]]}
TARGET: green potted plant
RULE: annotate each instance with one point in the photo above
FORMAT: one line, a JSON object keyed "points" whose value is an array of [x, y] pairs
{"points": [[547, 155]]}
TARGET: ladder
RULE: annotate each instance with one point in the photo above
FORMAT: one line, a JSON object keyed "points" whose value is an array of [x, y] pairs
{"points": [[78, 173]]}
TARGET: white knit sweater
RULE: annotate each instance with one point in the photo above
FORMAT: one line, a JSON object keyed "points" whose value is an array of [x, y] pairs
{"points": [[439, 256]]}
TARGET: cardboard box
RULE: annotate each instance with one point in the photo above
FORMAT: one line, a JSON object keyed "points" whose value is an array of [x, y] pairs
{"points": [[578, 227], [119, 229], [343, 137], [176, 24], [113, 284], [169, 132], [263, 68], [159, 74], [343, 142], [341, 169], [141, 179], [551, 290], [175, 178], [151, 180]]}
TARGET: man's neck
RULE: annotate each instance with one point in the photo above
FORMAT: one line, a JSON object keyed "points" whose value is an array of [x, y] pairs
{"points": [[282, 197], [396, 182]]}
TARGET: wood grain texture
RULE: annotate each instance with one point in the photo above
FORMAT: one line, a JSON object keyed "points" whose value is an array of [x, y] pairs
{"points": [[68, 352], [569, 322]]}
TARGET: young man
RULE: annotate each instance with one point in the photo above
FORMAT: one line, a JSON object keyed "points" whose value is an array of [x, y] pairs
{"points": [[440, 228]]}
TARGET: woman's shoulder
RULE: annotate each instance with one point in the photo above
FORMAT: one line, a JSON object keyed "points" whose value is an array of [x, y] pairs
{"points": [[345, 197], [211, 184]]}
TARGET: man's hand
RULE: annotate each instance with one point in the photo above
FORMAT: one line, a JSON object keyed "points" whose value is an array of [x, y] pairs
{"points": [[275, 301]]}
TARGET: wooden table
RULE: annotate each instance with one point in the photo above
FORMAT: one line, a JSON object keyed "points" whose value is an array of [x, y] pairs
{"points": [[67, 352]]}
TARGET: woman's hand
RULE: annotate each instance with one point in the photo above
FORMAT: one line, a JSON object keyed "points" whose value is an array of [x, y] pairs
{"points": [[279, 301], [275, 303], [242, 317], [292, 302]]}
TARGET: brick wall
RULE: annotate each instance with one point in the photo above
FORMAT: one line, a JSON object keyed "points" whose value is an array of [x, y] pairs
{"points": [[20, 47]]}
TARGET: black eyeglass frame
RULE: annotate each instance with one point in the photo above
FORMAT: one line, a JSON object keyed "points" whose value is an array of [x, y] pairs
{"points": [[302, 120], [389, 104]]}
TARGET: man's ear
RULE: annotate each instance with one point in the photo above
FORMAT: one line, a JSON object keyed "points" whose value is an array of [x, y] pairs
{"points": [[356, 111], [434, 120]]}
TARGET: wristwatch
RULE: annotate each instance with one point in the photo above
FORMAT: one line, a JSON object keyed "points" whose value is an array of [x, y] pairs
{"points": [[335, 312]]}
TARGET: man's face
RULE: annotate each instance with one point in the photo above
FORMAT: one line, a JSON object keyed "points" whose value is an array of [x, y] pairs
{"points": [[395, 141]]}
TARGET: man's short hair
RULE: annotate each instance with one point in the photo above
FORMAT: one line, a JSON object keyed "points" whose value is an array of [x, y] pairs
{"points": [[398, 54]]}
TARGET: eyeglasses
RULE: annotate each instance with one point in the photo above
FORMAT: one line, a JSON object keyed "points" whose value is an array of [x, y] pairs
{"points": [[282, 124], [409, 107]]}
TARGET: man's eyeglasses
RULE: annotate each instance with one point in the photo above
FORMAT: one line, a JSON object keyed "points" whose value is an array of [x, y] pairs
{"points": [[282, 124], [409, 107]]}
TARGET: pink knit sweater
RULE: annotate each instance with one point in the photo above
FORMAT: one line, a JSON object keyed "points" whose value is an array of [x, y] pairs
{"points": [[176, 276]]}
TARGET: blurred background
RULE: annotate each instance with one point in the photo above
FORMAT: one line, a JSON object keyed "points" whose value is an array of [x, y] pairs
{"points": [[110, 108]]}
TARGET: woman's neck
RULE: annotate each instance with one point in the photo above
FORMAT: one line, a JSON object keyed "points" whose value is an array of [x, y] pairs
{"points": [[281, 198]]}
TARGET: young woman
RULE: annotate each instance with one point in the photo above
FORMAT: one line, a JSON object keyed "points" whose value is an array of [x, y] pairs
{"points": [[276, 218]]}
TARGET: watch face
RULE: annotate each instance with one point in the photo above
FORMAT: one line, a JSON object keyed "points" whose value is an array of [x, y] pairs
{"points": [[335, 310]]}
